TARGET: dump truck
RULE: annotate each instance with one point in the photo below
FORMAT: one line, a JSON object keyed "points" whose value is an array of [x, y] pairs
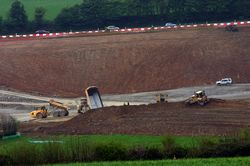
{"points": [[92, 101], [93, 97], [198, 98], [57, 109]]}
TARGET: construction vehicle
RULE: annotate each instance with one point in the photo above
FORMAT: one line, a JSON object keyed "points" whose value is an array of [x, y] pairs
{"points": [[198, 98], [160, 98], [83, 107], [57, 109], [39, 112], [93, 97], [92, 101]]}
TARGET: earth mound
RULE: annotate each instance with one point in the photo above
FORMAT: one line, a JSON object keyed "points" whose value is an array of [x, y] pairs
{"points": [[217, 118]]}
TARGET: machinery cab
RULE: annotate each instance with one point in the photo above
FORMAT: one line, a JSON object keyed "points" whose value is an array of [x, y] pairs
{"points": [[199, 94]]}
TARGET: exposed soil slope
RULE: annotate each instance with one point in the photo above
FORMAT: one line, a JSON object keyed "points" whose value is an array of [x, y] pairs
{"points": [[217, 118], [126, 63]]}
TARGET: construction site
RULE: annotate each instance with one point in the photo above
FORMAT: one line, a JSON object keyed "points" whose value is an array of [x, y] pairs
{"points": [[155, 83]]}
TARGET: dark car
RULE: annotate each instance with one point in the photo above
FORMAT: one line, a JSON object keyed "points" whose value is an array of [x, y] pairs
{"points": [[42, 32]]}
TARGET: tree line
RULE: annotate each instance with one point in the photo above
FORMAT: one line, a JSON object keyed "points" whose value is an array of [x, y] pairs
{"points": [[93, 14]]}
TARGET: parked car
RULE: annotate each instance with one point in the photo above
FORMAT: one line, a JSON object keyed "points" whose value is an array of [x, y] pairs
{"points": [[112, 27], [42, 32], [169, 24], [224, 81]]}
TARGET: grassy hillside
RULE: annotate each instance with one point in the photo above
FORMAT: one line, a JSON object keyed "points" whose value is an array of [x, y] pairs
{"points": [[53, 7]]}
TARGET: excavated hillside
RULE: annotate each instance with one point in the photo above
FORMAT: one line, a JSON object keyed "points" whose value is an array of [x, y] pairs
{"points": [[126, 63]]}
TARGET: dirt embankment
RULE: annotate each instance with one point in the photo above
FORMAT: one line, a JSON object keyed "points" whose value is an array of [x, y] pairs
{"points": [[126, 63], [217, 118]]}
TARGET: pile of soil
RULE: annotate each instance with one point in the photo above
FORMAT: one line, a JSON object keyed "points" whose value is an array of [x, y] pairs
{"points": [[126, 63], [219, 117]]}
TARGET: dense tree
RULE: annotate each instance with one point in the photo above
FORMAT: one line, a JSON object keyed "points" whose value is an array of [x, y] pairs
{"points": [[1, 25], [92, 14], [39, 17], [17, 19], [70, 18], [240, 8]]}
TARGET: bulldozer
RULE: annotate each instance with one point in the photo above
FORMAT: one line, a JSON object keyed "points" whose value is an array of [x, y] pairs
{"points": [[198, 98], [57, 110]]}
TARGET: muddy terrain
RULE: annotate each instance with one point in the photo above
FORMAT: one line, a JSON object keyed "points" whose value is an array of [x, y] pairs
{"points": [[219, 117], [126, 63]]}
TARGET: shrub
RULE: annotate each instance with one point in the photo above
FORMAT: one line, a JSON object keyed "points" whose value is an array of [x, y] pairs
{"points": [[110, 152], [79, 150], [4, 160], [8, 125], [145, 153], [52, 152], [244, 134], [205, 149], [172, 150], [23, 154], [137, 153]]}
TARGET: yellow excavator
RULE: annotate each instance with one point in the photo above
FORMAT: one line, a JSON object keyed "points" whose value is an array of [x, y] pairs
{"points": [[58, 110]]}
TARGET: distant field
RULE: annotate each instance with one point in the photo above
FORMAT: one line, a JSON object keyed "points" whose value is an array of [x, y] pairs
{"points": [[53, 7]]}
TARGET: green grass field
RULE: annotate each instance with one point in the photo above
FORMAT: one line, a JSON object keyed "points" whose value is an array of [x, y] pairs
{"points": [[242, 161], [53, 7], [80, 148], [124, 140]]}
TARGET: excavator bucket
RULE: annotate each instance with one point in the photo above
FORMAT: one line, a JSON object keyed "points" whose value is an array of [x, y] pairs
{"points": [[93, 97]]}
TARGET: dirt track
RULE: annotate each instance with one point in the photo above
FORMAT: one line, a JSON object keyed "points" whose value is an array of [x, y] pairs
{"points": [[126, 63], [20, 104]]}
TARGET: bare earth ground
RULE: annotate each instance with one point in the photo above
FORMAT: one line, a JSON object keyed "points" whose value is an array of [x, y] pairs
{"points": [[217, 118], [120, 64], [126, 63]]}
